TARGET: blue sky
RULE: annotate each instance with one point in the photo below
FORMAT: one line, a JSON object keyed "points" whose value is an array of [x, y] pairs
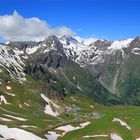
{"points": [[110, 19]]}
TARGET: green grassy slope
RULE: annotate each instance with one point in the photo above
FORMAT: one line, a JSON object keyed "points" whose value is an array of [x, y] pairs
{"points": [[29, 93], [104, 125]]}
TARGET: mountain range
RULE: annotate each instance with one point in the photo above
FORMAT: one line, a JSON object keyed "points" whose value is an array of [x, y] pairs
{"points": [[106, 70]]}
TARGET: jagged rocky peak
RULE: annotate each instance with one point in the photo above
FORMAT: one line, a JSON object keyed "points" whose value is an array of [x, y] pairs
{"points": [[135, 43], [52, 42], [22, 44], [137, 38], [100, 44], [19, 45], [51, 38], [67, 40]]}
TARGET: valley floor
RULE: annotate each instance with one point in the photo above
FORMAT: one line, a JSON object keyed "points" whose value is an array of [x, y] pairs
{"points": [[89, 121]]}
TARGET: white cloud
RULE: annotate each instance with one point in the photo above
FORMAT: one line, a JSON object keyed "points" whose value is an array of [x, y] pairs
{"points": [[16, 27]]}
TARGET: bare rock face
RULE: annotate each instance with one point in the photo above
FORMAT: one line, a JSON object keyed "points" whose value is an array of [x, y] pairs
{"points": [[54, 58], [135, 43], [22, 45], [101, 44]]}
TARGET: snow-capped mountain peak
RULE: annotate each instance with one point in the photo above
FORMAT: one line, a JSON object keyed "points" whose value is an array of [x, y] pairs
{"points": [[85, 52], [120, 44]]}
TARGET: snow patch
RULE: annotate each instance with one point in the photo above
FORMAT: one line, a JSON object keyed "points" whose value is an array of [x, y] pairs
{"points": [[8, 60], [48, 100], [5, 119], [17, 118], [52, 135], [120, 44], [48, 110], [26, 104], [79, 87], [25, 57], [18, 134], [85, 41], [136, 51], [11, 94], [114, 136], [3, 100], [20, 105], [8, 88], [94, 136], [123, 54], [26, 126], [68, 128], [121, 122], [31, 50], [91, 106], [7, 42]]}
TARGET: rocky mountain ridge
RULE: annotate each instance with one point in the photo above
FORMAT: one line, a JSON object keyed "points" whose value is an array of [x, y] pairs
{"points": [[105, 60]]}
